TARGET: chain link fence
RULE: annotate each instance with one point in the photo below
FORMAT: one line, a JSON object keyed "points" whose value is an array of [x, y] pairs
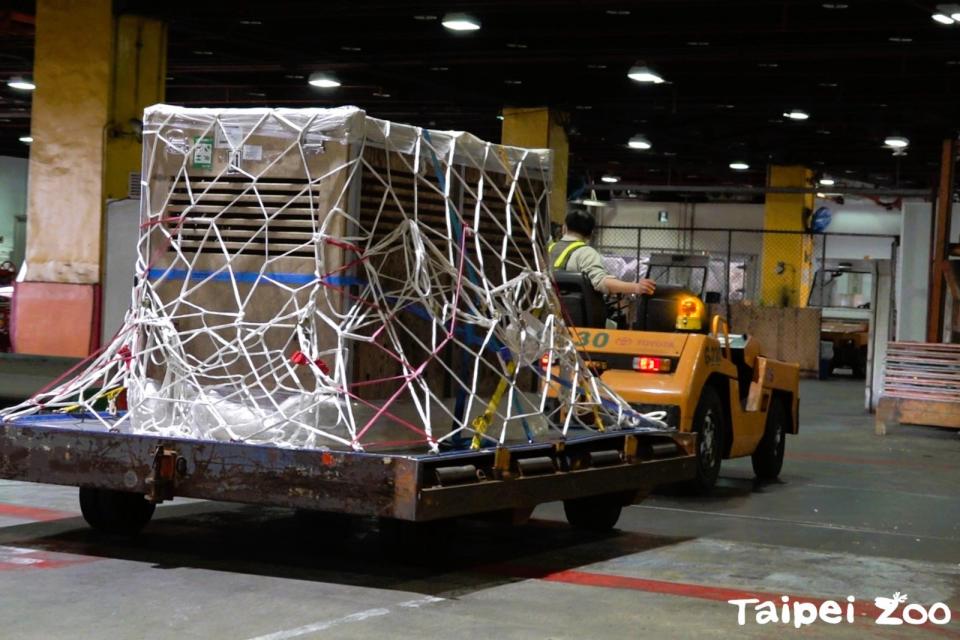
{"points": [[750, 273]]}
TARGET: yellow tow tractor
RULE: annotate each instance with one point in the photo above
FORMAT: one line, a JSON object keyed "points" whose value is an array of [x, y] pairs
{"points": [[670, 357]]}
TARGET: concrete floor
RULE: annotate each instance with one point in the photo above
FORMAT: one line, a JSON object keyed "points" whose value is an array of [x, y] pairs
{"points": [[854, 514]]}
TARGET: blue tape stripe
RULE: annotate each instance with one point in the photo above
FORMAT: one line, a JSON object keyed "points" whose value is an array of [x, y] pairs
{"points": [[250, 277]]}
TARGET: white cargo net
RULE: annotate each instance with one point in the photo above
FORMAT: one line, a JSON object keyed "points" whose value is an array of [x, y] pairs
{"points": [[319, 278]]}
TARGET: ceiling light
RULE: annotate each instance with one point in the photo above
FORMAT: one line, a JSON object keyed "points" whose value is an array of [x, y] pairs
{"points": [[380, 94], [202, 52], [796, 114], [639, 142], [896, 142], [823, 132], [500, 117], [618, 12], [251, 23], [835, 5], [460, 22], [289, 76], [26, 139], [698, 43], [21, 84], [513, 82], [439, 68], [739, 166], [900, 39], [353, 49], [590, 202], [516, 45], [610, 179], [425, 17], [323, 80], [942, 18], [827, 182], [583, 107], [596, 66], [643, 73]]}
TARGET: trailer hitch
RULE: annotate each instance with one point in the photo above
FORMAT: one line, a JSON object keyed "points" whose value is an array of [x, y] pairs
{"points": [[168, 466]]}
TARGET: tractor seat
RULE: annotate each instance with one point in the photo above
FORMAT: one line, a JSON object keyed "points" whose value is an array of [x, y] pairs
{"points": [[583, 303]]}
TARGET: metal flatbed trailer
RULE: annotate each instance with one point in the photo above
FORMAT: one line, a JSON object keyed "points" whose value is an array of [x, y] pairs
{"points": [[401, 485]]}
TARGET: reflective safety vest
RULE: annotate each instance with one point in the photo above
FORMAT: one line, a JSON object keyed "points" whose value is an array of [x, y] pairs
{"points": [[559, 252]]}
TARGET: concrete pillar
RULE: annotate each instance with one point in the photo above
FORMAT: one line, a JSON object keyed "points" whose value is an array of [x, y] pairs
{"points": [[539, 128], [787, 266], [94, 73]]}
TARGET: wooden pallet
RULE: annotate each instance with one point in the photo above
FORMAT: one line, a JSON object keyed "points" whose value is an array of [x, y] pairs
{"points": [[921, 385]]}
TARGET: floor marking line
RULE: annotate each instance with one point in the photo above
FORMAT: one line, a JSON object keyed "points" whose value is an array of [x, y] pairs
{"points": [[359, 616], [801, 523], [817, 485], [37, 514], [862, 608]]}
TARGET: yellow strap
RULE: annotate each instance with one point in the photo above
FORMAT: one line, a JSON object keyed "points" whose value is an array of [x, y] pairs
{"points": [[561, 260]]}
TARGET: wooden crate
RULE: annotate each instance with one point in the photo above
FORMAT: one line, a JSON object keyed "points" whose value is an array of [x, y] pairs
{"points": [[789, 334], [921, 385]]}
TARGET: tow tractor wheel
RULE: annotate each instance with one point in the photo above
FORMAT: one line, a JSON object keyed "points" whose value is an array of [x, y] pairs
{"points": [[595, 513], [118, 512], [768, 457], [708, 425]]}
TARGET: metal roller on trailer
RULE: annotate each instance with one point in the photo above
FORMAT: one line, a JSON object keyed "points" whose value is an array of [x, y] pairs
{"points": [[122, 476]]}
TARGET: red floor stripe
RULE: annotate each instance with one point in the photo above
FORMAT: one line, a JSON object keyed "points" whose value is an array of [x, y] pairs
{"points": [[864, 610], [37, 514]]}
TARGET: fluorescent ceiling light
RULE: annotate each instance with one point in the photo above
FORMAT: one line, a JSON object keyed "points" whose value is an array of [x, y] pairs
{"points": [[739, 166], [460, 22], [610, 179], [26, 139], [796, 114], [589, 202], [942, 18], [643, 73], [896, 142], [323, 80], [827, 182], [639, 142], [21, 84]]}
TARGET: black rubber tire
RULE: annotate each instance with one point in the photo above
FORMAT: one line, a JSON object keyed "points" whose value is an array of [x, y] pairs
{"points": [[708, 424], [594, 513], [767, 458], [116, 512]]}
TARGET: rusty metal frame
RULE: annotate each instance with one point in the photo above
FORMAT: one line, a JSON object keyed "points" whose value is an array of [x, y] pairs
{"points": [[399, 485]]}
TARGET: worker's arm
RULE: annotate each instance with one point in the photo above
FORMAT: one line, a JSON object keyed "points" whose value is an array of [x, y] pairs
{"points": [[590, 262], [614, 285]]}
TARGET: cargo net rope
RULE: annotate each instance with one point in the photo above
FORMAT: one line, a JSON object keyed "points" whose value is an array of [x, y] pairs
{"points": [[320, 278]]}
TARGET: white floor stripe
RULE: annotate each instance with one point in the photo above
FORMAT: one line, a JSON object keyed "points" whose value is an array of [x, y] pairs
{"points": [[359, 616]]}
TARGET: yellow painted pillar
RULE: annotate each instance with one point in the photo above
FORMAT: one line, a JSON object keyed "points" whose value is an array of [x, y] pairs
{"points": [[94, 73], [539, 128], [787, 265], [140, 73]]}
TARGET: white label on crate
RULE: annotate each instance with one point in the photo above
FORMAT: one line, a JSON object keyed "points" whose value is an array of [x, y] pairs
{"points": [[229, 136], [252, 152]]}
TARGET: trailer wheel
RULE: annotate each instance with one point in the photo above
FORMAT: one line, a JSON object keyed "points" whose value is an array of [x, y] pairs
{"points": [[118, 512], [594, 513], [708, 425], [768, 457]]}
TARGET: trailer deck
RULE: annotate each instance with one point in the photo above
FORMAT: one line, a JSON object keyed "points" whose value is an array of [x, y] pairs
{"points": [[403, 485]]}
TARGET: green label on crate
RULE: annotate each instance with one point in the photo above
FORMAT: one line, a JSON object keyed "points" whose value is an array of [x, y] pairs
{"points": [[203, 153]]}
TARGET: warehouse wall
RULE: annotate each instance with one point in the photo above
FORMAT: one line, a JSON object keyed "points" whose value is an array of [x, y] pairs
{"points": [[13, 200], [854, 216]]}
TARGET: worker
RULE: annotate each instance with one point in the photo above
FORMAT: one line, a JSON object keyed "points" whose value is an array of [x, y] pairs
{"points": [[573, 253]]}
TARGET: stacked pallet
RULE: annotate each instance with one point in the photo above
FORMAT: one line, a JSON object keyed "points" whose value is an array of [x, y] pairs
{"points": [[921, 385]]}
